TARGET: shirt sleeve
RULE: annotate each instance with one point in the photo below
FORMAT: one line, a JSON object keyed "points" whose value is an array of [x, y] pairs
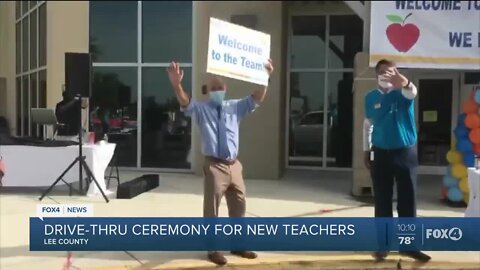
{"points": [[190, 108], [245, 106], [368, 111], [367, 134], [410, 93]]}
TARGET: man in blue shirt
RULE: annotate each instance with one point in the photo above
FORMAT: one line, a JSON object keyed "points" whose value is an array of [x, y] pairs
{"points": [[218, 120], [390, 139]]}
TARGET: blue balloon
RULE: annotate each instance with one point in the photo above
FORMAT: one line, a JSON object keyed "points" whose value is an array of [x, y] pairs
{"points": [[454, 194], [468, 159], [477, 96], [461, 120], [449, 171], [464, 146], [461, 133], [450, 181]]}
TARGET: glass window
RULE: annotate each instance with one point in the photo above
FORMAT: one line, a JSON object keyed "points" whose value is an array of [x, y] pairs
{"points": [[42, 89], [162, 39], [18, 47], [18, 9], [32, 4], [25, 105], [113, 31], [42, 35], [19, 106], [308, 42], [42, 94], [472, 78], [306, 113], [24, 7], [33, 102], [25, 49], [340, 119], [114, 110], [33, 40], [166, 132], [346, 40]]}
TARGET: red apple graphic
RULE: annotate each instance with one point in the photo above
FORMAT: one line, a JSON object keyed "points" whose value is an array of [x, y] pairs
{"points": [[402, 36]]}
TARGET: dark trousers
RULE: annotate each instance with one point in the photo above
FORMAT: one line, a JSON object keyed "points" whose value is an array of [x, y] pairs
{"points": [[398, 165]]}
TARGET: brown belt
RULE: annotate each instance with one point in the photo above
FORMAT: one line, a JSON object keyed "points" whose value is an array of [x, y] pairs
{"points": [[217, 160]]}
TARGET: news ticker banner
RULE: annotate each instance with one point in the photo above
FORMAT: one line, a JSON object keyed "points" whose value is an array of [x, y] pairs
{"points": [[261, 234]]}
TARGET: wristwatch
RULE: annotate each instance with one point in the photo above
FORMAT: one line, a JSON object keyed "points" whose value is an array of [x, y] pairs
{"points": [[408, 84]]}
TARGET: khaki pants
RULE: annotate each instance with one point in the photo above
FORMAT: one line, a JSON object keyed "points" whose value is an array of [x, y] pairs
{"points": [[222, 179]]}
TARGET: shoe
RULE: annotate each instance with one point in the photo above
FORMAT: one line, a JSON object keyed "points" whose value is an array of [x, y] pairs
{"points": [[380, 256], [245, 254], [217, 258], [416, 255]]}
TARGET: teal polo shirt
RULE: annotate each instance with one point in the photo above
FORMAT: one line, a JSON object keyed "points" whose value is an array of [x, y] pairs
{"points": [[393, 119]]}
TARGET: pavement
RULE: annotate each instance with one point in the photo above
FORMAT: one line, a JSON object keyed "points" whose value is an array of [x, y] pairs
{"points": [[298, 194]]}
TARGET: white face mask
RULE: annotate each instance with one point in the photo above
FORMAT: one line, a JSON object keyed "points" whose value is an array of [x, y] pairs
{"points": [[384, 83]]}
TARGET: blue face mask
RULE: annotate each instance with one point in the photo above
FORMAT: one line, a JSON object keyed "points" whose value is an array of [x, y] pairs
{"points": [[217, 96]]}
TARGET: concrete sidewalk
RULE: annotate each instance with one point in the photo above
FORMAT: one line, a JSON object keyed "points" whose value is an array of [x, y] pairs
{"points": [[299, 194]]}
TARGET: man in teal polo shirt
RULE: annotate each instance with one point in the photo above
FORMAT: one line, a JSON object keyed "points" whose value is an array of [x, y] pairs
{"points": [[390, 139]]}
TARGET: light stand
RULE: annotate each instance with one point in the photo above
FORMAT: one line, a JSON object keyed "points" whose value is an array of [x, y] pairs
{"points": [[81, 159]]}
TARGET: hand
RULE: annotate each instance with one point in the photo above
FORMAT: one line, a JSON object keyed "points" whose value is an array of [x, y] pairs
{"points": [[269, 67], [366, 160], [396, 78], [175, 74]]}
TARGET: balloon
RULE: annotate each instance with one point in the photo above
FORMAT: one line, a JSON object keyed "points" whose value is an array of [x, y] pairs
{"points": [[472, 120], [461, 132], [477, 97], [454, 157], [450, 182], [469, 159], [463, 185], [474, 135], [449, 171], [476, 149], [455, 195], [461, 119], [466, 197], [444, 192], [469, 106], [459, 171], [464, 146]]}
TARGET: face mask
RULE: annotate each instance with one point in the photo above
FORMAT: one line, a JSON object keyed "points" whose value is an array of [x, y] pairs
{"points": [[217, 96], [383, 82]]}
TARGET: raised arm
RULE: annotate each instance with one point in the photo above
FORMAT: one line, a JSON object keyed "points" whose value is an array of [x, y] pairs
{"points": [[259, 94], [175, 74]]}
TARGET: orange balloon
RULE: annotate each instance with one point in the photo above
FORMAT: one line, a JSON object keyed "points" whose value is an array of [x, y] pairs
{"points": [[469, 106], [475, 136], [476, 149], [472, 121]]}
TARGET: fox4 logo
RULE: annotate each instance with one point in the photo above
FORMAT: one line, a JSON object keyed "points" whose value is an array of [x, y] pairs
{"points": [[453, 234]]}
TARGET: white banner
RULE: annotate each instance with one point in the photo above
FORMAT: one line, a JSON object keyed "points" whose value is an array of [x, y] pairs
{"points": [[426, 34], [238, 52]]}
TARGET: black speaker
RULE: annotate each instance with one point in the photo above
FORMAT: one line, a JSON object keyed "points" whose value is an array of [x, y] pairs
{"points": [[78, 74]]}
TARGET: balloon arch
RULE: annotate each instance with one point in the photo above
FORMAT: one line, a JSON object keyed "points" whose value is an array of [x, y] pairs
{"points": [[465, 146]]}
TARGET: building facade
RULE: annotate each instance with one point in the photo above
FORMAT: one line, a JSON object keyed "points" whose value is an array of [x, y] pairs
{"points": [[312, 115]]}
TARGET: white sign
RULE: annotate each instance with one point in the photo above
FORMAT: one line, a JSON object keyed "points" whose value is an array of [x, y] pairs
{"points": [[64, 210], [426, 34], [238, 52]]}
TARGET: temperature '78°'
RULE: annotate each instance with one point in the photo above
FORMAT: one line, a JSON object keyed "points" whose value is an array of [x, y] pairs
{"points": [[406, 240]]}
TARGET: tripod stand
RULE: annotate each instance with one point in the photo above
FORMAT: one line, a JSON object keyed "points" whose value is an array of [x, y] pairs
{"points": [[80, 159]]}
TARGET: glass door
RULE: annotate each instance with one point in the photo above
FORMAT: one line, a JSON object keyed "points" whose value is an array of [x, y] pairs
{"points": [[435, 113]]}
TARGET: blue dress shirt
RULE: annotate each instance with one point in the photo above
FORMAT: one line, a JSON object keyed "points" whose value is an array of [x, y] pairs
{"points": [[219, 124]]}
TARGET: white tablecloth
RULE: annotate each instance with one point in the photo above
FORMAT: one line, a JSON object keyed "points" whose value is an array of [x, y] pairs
{"points": [[33, 166], [473, 209]]}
